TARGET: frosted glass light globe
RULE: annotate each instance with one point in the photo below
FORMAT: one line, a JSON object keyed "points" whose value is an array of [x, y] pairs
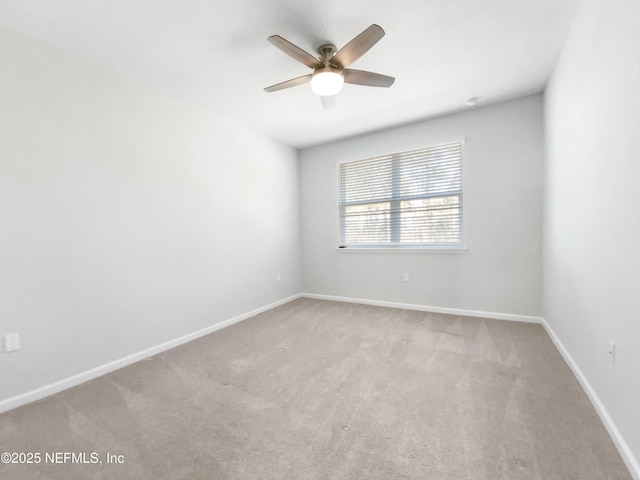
{"points": [[326, 81]]}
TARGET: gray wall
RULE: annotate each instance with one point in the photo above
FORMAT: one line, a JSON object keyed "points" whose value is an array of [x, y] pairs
{"points": [[127, 219], [592, 206], [501, 270]]}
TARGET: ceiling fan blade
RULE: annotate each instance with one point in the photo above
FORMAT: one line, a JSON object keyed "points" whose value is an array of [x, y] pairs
{"points": [[289, 83], [369, 79], [358, 46], [328, 101], [295, 51]]}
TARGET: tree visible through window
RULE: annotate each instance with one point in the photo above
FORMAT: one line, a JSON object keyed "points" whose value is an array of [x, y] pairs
{"points": [[409, 199]]}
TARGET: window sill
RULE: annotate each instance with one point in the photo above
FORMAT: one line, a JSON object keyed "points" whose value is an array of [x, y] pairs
{"points": [[402, 250]]}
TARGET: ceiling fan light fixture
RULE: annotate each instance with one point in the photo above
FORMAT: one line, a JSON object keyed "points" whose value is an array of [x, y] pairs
{"points": [[327, 81]]}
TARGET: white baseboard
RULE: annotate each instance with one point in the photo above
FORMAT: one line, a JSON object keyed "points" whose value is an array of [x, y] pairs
{"points": [[52, 388], [426, 308], [623, 448]]}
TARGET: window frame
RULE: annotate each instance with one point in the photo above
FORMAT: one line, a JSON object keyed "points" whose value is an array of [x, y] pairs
{"points": [[400, 247]]}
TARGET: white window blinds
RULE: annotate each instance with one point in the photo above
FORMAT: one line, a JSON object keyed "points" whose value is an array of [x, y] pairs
{"points": [[410, 199]]}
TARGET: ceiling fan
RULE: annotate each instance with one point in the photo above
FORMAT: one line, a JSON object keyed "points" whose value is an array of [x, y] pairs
{"points": [[330, 68]]}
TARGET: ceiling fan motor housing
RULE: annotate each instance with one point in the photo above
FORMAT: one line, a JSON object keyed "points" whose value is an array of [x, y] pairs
{"points": [[326, 52]]}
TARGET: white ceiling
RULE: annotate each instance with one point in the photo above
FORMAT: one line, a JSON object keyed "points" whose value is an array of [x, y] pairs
{"points": [[215, 53]]}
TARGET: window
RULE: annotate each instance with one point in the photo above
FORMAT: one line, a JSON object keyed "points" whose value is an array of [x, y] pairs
{"points": [[403, 200]]}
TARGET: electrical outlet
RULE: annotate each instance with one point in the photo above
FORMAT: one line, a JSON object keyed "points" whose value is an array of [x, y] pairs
{"points": [[11, 342], [278, 276], [612, 352], [406, 277]]}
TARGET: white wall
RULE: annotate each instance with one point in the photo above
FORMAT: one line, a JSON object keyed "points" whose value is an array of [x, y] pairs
{"points": [[501, 270], [127, 219], [592, 206]]}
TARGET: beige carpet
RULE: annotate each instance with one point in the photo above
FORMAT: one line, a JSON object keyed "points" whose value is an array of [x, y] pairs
{"points": [[325, 390]]}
